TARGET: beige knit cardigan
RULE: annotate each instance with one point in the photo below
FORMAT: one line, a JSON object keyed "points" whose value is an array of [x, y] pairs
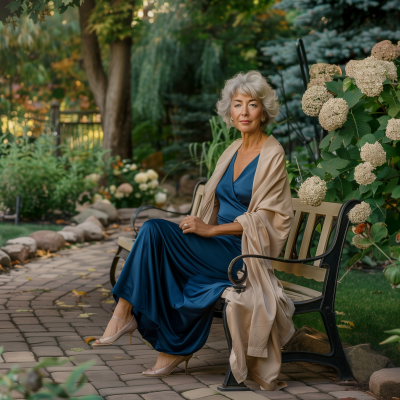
{"points": [[260, 318]]}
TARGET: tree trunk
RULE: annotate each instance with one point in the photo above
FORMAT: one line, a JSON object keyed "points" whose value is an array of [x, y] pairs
{"points": [[112, 95], [117, 121]]}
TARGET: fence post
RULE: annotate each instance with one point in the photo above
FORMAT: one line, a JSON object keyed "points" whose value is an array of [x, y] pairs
{"points": [[55, 122]]}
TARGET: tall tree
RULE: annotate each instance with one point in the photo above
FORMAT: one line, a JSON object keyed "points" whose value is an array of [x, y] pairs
{"points": [[110, 22]]}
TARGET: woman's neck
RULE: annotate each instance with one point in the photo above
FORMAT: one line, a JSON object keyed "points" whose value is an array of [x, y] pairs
{"points": [[253, 141]]}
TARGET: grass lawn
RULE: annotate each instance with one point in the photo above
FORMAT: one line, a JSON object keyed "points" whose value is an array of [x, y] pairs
{"points": [[10, 231], [367, 300]]}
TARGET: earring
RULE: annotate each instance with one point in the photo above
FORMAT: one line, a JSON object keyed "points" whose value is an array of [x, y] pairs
{"points": [[231, 119], [262, 119]]}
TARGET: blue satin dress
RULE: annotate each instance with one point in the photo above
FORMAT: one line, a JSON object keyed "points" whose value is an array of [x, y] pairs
{"points": [[173, 279]]}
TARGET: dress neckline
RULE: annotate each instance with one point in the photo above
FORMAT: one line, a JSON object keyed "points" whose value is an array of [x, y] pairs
{"points": [[233, 166]]}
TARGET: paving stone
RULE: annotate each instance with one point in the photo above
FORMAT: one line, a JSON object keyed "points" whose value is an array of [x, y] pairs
{"points": [[188, 386], [133, 389], [300, 389], [179, 379], [47, 351], [14, 346], [8, 337], [124, 397], [198, 393], [326, 388], [275, 395], [211, 379], [101, 376], [18, 357], [107, 384], [128, 369], [80, 358], [167, 395], [315, 396], [144, 381], [352, 393]]}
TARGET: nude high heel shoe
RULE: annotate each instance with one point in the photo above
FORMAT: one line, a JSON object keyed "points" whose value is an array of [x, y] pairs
{"points": [[169, 368], [129, 328]]}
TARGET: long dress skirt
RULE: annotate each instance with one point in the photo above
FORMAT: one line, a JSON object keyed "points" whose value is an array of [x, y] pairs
{"points": [[173, 279]]}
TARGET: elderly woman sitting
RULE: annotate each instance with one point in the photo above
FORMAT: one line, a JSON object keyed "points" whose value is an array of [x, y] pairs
{"points": [[175, 273]]}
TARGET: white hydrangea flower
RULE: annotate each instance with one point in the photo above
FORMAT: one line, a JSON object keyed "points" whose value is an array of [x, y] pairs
{"points": [[97, 197], [112, 189], [143, 186], [312, 191], [373, 153], [119, 195], [356, 241], [333, 114], [133, 167], [313, 100], [370, 73], [138, 195], [393, 129], [363, 173], [160, 198], [359, 213], [93, 177], [152, 174], [324, 71], [351, 67], [385, 50], [141, 177], [153, 184]]}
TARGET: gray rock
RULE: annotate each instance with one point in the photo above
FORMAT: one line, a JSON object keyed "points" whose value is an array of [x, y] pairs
{"points": [[385, 382], [17, 252], [48, 240], [91, 231], [84, 215], [185, 208], [94, 220], [70, 237], [364, 361], [27, 242], [107, 208], [79, 234], [5, 260], [125, 214]]}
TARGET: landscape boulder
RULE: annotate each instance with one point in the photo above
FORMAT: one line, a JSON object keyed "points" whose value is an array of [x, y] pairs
{"points": [[27, 242], [17, 252], [79, 234], [5, 260], [185, 208], [69, 237], [364, 361], [91, 231], [48, 240], [94, 220], [106, 207], [385, 383], [84, 215], [187, 185]]}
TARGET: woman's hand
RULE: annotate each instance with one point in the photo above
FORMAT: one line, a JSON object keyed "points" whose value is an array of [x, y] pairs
{"points": [[191, 224]]}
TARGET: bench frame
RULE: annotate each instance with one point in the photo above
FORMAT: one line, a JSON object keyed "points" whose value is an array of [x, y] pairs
{"points": [[328, 261]]}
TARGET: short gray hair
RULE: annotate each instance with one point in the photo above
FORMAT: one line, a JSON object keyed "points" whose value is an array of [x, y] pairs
{"points": [[253, 84]]}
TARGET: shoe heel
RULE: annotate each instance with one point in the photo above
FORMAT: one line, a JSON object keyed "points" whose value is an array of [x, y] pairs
{"points": [[130, 338]]}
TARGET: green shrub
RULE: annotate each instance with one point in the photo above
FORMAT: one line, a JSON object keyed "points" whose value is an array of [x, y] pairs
{"points": [[46, 182]]}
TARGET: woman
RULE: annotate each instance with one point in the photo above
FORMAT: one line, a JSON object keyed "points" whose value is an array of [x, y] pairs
{"points": [[175, 273]]}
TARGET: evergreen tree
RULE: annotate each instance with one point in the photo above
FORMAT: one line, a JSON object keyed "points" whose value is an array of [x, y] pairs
{"points": [[333, 31]]}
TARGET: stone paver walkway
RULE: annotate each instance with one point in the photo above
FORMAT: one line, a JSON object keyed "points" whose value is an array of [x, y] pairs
{"points": [[41, 315]]}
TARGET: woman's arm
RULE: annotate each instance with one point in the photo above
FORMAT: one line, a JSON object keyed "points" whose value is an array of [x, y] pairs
{"points": [[196, 225]]}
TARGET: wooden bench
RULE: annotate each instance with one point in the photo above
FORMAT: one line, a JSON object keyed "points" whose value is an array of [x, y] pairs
{"points": [[323, 268]]}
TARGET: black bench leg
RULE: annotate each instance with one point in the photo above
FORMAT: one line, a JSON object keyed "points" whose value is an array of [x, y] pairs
{"points": [[337, 356], [230, 383]]}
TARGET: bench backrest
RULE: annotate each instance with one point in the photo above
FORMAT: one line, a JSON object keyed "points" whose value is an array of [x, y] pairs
{"points": [[324, 215]]}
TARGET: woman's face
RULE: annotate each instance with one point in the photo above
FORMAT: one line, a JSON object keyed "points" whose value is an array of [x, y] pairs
{"points": [[246, 113]]}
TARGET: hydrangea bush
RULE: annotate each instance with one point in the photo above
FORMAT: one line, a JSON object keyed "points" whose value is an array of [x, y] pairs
{"points": [[360, 156], [129, 185]]}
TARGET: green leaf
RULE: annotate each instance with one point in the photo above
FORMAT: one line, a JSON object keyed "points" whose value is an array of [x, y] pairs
{"points": [[352, 97], [347, 82], [336, 143], [74, 379], [318, 172], [396, 192], [354, 259], [392, 274], [383, 121], [390, 151], [326, 140], [379, 232], [375, 185], [370, 138], [327, 156], [384, 173], [391, 339], [391, 185], [393, 332], [357, 126], [334, 86], [50, 362]]}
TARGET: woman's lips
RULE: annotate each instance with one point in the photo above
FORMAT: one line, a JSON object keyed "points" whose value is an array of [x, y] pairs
{"points": [[245, 121]]}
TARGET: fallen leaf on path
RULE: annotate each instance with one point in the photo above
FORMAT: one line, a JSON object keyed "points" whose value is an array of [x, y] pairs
{"points": [[22, 310], [104, 290], [108, 301], [15, 262], [60, 221], [344, 326], [127, 229], [84, 305], [122, 373], [111, 251], [99, 285], [1, 268], [29, 279], [77, 349], [339, 313], [80, 273], [350, 323], [115, 226], [86, 315], [92, 269], [90, 339], [76, 293]]}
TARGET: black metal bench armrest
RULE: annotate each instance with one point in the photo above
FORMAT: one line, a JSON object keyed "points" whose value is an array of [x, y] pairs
{"points": [[144, 208], [242, 279]]}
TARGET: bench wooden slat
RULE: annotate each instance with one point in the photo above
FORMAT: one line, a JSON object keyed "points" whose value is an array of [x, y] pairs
{"points": [[299, 269], [125, 243], [300, 290], [305, 244], [323, 240], [293, 234]]}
